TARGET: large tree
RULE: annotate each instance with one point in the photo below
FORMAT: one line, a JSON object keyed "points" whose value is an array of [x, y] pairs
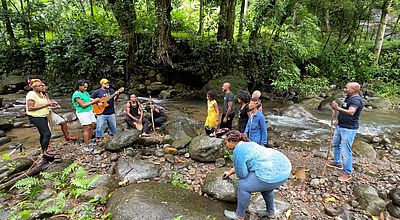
{"points": [[381, 30], [226, 23], [163, 31], [5, 17], [125, 14]]}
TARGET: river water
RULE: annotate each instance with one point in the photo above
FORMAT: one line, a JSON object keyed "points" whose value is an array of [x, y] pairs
{"points": [[372, 122]]}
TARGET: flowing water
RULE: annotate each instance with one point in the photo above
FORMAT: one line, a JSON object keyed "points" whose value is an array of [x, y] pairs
{"points": [[371, 123]]}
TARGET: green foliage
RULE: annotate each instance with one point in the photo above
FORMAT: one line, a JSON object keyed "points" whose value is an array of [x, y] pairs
{"points": [[228, 155], [177, 217], [69, 185], [177, 181], [5, 157]]}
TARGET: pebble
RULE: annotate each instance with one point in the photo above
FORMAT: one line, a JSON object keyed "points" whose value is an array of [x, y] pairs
{"points": [[314, 183], [187, 155]]}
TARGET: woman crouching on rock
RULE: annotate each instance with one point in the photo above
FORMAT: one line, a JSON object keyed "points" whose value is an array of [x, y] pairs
{"points": [[259, 169], [37, 109]]}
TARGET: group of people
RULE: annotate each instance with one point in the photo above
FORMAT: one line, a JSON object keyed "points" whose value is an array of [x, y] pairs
{"points": [[94, 111], [261, 169], [258, 168], [251, 119]]}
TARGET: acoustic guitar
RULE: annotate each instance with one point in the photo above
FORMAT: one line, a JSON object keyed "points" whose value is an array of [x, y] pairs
{"points": [[98, 109]]}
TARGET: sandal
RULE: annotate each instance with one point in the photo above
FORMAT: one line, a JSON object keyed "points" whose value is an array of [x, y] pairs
{"points": [[71, 138]]}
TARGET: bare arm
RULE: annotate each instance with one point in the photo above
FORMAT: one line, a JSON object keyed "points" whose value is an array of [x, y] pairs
{"points": [[84, 105], [349, 111], [32, 107], [127, 111], [216, 110], [229, 110], [141, 111]]}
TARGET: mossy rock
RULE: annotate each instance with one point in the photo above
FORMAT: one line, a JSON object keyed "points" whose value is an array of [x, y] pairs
{"points": [[237, 83]]}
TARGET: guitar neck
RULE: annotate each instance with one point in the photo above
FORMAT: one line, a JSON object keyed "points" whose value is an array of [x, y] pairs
{"points": [[111, 96]]}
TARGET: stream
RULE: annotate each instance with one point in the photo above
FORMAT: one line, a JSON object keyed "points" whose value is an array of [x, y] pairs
{"points": [[372, 122]]}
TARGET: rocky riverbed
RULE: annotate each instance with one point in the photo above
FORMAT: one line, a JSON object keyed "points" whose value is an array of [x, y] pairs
{"points": [[142, 165]]}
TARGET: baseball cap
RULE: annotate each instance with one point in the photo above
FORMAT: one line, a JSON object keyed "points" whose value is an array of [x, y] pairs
{"points": [[102, 81]]}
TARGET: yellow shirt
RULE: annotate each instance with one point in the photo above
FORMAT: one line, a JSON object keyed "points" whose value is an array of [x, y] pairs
{"points": [[43, 112], [212, 116]]}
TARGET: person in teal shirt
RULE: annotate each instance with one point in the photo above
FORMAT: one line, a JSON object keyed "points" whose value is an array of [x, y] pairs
{"points": [[259, 169], [84, 111]]}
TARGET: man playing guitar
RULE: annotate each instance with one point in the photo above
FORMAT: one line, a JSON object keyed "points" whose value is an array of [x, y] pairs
{"points": [[104, 110]]}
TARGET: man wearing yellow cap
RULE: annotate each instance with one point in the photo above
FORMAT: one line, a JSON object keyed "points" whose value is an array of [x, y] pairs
{"points": [[108, 115]]}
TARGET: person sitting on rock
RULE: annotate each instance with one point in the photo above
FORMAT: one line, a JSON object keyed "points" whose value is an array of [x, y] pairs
{"points": [[158, 115], [134, 115]]}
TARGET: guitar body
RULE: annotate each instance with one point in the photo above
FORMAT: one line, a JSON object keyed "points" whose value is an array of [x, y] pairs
{"points": [[97, 109], [100, 109]]}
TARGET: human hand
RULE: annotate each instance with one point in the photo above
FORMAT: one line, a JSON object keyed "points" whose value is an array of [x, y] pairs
{"points": [[334, 105]]}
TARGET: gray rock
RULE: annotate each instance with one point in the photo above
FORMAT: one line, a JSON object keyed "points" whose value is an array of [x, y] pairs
{"points": [[105, 180], [314, 183], [170, 158], [12, 83], [4, 140], [97, 193], [379, 103], [123, 139], [394, 195], [368, 199], [363, 149], [220, 162], [134, 169], [181, 128], [206, 149], [159, 152], [58, 167], [6, 124], [165, 202], [297, 111], [46, 194], [257, 204], [311, 104], [114, 157], [394, 210], [331, 211], [218, 188], [2, 133]]}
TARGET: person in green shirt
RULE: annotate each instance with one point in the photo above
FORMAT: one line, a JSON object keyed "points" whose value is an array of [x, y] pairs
{"points": [[84, 111]]}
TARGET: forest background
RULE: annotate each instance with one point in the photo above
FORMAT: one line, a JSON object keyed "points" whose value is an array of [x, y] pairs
{"points": [[282, 46]]}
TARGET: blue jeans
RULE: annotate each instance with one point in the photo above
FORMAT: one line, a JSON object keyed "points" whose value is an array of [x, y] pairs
{"points": [[101, 121], [342, 140], [253, 184]]}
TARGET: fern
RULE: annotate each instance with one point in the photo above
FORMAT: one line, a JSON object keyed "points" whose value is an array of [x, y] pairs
{"points": [[31, 186], [67, 171]]}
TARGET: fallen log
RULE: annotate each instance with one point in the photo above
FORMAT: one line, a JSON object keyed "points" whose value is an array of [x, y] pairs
{"points": [[35, 169]]}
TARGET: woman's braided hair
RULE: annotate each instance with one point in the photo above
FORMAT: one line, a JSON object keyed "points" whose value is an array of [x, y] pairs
{"points": [[235, 136]]}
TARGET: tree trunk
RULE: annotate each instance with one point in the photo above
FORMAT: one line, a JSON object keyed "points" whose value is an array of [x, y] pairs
{"points": [[7, 22], [288, 12], [125, 14], [91, 8], [381, 30], [201, 18], [241, 20], [258, 21], [226, 23], [163, 31]]}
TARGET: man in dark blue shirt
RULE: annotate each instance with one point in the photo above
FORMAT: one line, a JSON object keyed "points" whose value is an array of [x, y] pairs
{"points": [[346, 129], [228, 109], [108, 115]]}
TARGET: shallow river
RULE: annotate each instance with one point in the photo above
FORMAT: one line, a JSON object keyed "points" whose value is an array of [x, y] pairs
{"points": [[372, 122]]}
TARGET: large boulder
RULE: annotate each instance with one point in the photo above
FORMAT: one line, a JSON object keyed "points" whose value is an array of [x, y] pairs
{"points": [[311, 103], [368, 199], [129, 168], [6, 123], [181, 127], [297, 111], [363, 149], [12, 83], [206, 149], [219, 188], [237, 83], [162, 201], [123, 139], [326, 103], [379, 103]]}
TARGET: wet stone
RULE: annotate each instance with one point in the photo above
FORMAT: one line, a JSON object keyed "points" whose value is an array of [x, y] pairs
{"points": [[159, 152], [170, 158]]}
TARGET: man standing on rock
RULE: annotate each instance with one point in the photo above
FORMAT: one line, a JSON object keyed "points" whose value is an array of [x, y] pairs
{"points": [[228, 108], [346, 129]]}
